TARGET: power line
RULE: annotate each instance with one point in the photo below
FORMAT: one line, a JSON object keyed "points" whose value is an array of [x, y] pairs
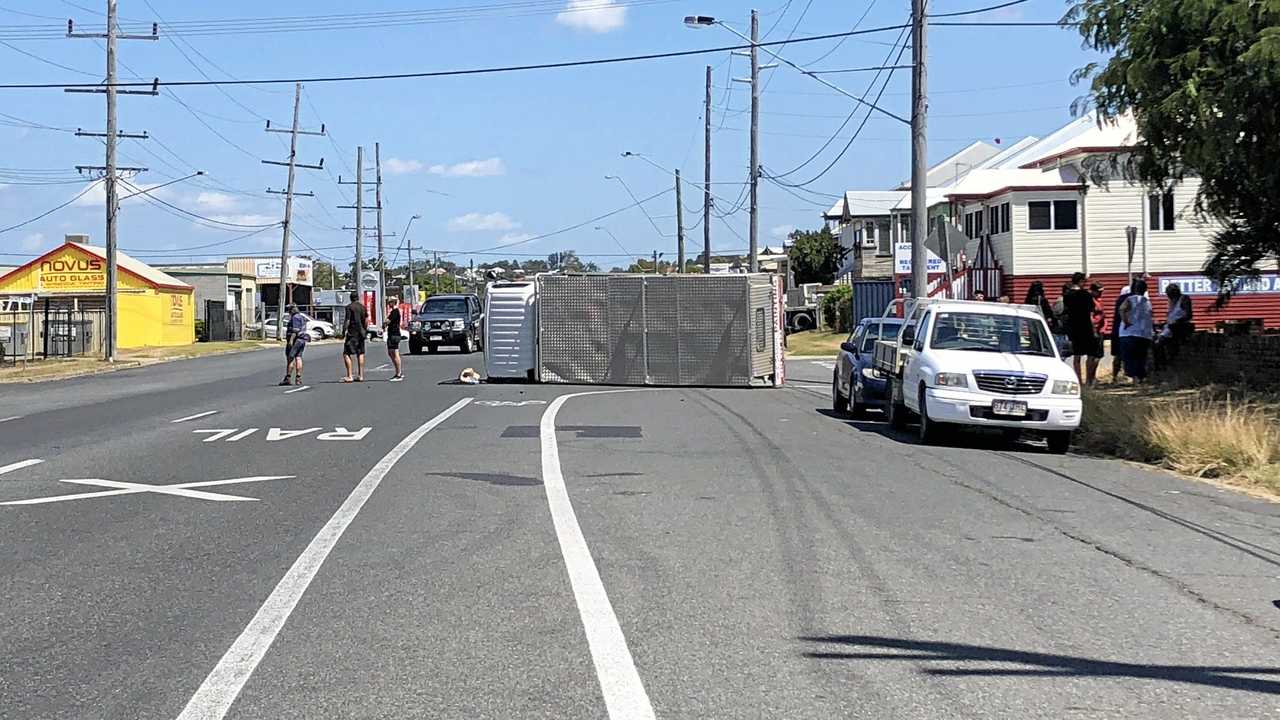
{"points": [[464, 72], [839, 44], [47, 213], [977, 11], [47, 61], [196, 215]]}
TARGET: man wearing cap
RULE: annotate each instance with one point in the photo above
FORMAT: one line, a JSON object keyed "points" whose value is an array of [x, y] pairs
{"points": [[295, 341]]}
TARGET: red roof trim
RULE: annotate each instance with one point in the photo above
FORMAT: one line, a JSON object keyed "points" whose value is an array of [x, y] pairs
{"points": [[1012, 189], [86, 251], [1087, 150]]}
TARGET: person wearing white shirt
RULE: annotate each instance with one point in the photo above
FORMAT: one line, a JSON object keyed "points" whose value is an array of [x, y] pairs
{"points": [[1136, 331]]}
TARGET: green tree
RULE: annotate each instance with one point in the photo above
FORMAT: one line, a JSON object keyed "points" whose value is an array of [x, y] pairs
{"points": [[815, 255], [837, 308], [1201, 78]]}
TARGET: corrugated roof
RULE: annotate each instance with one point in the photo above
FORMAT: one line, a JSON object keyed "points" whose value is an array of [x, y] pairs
{"points": [[932, 196], [137, 267]]}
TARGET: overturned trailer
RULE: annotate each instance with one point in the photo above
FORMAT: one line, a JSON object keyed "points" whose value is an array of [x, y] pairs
{"points": [[615, 329]]}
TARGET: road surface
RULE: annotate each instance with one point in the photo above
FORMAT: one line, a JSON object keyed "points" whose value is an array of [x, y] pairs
{"points": [[188, 541]]}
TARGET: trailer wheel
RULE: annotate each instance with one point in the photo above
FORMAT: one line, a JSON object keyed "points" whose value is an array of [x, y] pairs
{"points": [[802, 322]]}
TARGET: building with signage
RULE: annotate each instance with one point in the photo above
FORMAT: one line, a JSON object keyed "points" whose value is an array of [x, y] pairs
{"points": [[155, 308], [266, 274], [218, 290]]}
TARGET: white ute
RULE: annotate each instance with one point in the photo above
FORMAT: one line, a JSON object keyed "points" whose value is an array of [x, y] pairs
{"points": [[984, 364]]}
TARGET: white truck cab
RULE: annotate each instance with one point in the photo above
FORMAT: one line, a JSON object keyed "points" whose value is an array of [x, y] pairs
{"points": [[978, 363]]}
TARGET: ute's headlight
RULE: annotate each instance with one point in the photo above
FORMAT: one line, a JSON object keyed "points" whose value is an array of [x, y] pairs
{"points": [[415, 325], [960, 380], [459, 325], [870, 373], [1066, 387]]}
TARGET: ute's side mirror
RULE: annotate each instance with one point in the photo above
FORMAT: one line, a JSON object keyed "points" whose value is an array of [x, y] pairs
{"points": [[849, 347], [908, 334]]}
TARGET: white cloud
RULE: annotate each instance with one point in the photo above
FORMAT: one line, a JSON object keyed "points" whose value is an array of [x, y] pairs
{"points": [[477, 221], [97, 197], [781, 231], [397, 166], [593, 15], [216, 201], [471, 168], [514, 238], [33, 242], [246, 219]]}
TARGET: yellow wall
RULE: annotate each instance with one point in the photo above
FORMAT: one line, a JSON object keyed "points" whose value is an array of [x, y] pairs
{"points": [[156, 318]]}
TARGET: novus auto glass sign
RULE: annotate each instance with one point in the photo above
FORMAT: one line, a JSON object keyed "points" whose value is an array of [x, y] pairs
{"points": [[72, 272]]}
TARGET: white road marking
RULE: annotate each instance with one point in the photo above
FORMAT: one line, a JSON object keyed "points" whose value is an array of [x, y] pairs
{"points": [[510, 403], [13, 417], [297, 389], [277, 434], [382, 367], [828, 364], [197, 416], [128, 488], [219, 690], [19, 465], [214, 435], [624, 694], [242, 434]]}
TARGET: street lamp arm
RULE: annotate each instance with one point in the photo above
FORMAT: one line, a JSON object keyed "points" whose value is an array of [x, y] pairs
{"points": [[157, 187]]}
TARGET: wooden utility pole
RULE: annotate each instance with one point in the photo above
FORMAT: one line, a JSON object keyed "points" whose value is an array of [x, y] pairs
{"points": [[919, 151], [359, 207], [288, 193], [706, 179], [679, 226], [111, 170], [754, 260], [382, 264]]}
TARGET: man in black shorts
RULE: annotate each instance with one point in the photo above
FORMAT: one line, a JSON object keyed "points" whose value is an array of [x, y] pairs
{"points": [[393, 337], [1078, 308], [355, 328]]}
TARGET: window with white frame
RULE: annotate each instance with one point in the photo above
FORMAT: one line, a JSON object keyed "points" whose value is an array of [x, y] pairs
{"points": [[884, 235], [1052, 215], [1160, 211]]}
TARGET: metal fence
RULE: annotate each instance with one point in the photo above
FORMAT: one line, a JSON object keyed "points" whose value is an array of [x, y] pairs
{"points": [[656, 330], [220, 324], [44, 331]]}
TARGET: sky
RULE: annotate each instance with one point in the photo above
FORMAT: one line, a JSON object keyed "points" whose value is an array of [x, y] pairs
{"points": [[499, 159]]}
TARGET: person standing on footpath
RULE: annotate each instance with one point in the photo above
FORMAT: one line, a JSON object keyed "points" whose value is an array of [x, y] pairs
{"points": [[393, 337], [355, 328], [1136, 330], [295, 341], [1078, 306]]}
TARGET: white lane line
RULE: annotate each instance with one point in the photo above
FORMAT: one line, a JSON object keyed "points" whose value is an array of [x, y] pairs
{"points": [[624, 694], [19, 465], [242, 434], [219, 690], [14, 417], [197, 416], [297, 389]]}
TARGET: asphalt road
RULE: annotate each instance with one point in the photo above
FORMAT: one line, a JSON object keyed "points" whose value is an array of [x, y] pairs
{"points": [[436, 550]]}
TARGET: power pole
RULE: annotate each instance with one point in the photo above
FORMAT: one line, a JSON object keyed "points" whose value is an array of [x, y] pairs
{"points": [[754, 262], [110, 170], [382, 264], [288, 193], [359, 207], [435, 270], [655, 262], [919, 146], [706, 179], [679, 226]]}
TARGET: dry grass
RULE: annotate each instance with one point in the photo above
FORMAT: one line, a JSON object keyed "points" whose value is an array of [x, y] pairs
{"points": [[1210, 432], [194, 350], [815, 342]]}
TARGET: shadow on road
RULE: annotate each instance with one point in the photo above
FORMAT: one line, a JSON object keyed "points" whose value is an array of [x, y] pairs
{"points": [[1034, 664]]}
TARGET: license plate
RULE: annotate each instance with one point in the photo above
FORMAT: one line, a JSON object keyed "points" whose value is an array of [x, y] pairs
{"points": [[435, 338], [1011, 408]]}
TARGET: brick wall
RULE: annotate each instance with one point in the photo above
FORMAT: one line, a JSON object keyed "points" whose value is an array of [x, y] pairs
{"points": [[1253, 360]]}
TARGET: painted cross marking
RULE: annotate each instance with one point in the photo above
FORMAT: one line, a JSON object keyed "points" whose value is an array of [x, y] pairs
{"points": [[132, 488]]}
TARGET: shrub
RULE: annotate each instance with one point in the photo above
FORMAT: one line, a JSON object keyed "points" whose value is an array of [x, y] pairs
{"points": [[837, 308]]}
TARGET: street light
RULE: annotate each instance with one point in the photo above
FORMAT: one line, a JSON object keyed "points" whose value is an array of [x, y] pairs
{"points": [[405, 239], [615, 239], [698, 21]]}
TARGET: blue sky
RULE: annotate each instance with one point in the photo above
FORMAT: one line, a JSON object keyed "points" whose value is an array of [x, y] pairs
{"points": [[515, 155]]}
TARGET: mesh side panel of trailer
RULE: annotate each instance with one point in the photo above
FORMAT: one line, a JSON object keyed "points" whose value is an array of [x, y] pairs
{"points": [[713, 332], [662, 329], [574, 328], [626, 330]]}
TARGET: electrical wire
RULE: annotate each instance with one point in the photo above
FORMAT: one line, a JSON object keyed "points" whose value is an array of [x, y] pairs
{"points": [[142, 252], [976, 11], [46, 61], [198, 216], [47, 213], [564, 230], [463, 72], [838, 45]]}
